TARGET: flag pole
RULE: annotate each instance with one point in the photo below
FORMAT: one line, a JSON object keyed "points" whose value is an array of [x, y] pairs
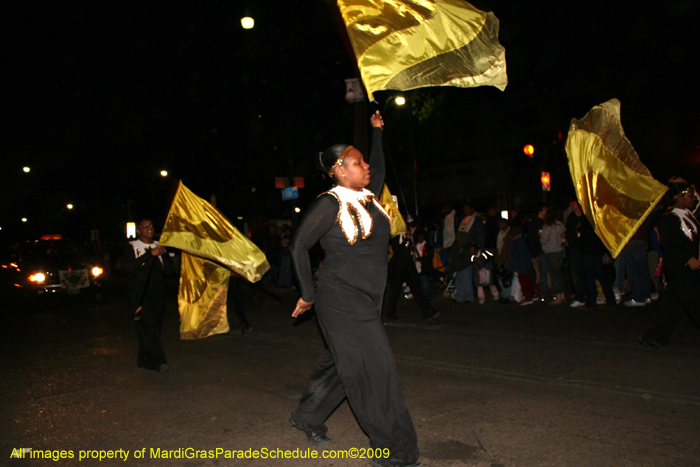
{"points": [[385, 146]]}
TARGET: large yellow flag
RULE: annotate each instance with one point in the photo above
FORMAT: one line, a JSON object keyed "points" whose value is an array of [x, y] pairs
{"points": [[398, 225], [616, 191], [211, 247], [408, 44]]}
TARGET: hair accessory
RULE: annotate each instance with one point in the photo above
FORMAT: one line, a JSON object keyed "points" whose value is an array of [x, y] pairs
{"points": [[339, 161]]}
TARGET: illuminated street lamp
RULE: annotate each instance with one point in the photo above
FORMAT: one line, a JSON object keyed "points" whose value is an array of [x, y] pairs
{"points": [[163, 173], [546, 181], [26, 169], [247, 22], [69, 206], [529, 150], [400, 100], [24, 219], [297, 210]]}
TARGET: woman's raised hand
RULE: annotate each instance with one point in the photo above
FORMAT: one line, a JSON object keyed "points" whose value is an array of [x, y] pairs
{"points": [[376, 120]]}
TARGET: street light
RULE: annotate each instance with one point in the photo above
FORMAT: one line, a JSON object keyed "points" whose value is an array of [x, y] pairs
{"points": [[69, 206], [26, 169], [529, 150], [400, 100], [24, 219], [546, 181], [163, 173], [247, 22]]}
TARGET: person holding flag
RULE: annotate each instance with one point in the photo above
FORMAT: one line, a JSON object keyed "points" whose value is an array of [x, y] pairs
{"points": [[145, 263], [353, 229], [679, 233]]}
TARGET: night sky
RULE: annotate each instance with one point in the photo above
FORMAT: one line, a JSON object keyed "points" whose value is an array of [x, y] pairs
{"points": [[101, 96]]}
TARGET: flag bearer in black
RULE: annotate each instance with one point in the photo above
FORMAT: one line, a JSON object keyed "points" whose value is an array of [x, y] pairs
{"points": [[353, 230], [146, 263], [679, 233], [402, 268]]}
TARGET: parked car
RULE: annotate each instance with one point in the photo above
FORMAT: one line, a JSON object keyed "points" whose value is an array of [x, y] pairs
{"points": [[51, 266]]}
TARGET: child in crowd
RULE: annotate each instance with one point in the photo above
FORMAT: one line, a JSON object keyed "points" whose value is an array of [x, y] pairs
{"points": [[483, 272]]}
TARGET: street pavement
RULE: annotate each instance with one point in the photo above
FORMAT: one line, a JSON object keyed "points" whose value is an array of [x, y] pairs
{"points": [[493, 385]]}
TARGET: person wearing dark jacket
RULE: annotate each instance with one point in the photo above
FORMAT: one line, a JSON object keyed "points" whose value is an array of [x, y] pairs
{"points": [[679, 232], [593, 251], [146, 264], [574, 254]]}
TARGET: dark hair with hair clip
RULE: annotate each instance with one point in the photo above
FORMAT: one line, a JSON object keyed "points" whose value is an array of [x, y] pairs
{"points": [[328, 158]]}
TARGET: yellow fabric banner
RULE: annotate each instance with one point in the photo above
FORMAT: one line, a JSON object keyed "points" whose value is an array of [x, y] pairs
{"points": [[398, 225], [202, 298], [210, 244], [198, 228], [616, 191], [408, 44]]}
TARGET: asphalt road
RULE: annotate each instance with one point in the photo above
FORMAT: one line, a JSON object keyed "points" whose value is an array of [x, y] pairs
{"points": [[494, 385]]}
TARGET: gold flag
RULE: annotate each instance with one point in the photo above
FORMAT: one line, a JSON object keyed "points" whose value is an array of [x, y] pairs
{"points": [[408, 44], [202, 298], [387, 201], [210, 244], [198, 228], [616, 191]]}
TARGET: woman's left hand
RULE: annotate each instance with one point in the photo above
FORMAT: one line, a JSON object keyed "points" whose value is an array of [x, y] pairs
{"points": [[302, 306]]}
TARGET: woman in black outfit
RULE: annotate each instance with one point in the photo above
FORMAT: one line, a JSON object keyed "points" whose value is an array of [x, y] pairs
{"points": [[353, 230]]}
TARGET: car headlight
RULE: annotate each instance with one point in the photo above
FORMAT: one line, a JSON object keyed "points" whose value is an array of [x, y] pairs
{"points": [[38, 277], [96, 271]]}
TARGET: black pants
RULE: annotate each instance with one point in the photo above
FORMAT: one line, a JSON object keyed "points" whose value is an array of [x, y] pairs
{"points": [[595, 269], [679, 297], [235, 298], [401, 272], [359, 365], [148, 329]]}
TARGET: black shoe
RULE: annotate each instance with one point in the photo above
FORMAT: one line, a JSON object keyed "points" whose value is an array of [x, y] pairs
{"points": [[315, 439], [648, 341], [392, 463], [433, 317]]}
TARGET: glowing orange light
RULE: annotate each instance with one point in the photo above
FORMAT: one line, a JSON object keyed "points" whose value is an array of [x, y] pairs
{"points": [[546, 181], [96, 271], [39, 277], [529, 150]]}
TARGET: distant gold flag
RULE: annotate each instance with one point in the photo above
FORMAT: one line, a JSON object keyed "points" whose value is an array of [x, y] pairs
{"points": [[408, 44], [616, 191], [387, 201], [211, 247]]}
